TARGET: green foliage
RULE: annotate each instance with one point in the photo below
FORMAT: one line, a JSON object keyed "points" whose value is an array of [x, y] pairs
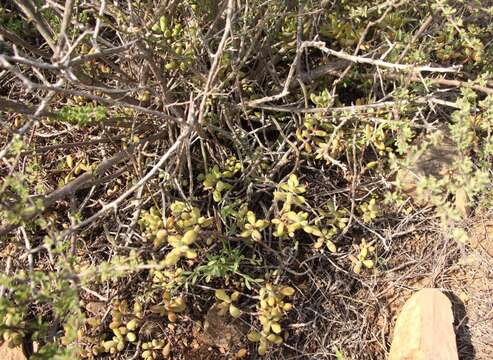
{"points": [[364, 250], [289, 193], [226, 303], [272, 307], [152, 226], [12, 22], [177, 38], [369, 210], [17, 204], [215, 179], [181, 247], [223, 266], [82, 115], [322, 100], [180, 229], [54, 290], [465, 178], [253, 227]]}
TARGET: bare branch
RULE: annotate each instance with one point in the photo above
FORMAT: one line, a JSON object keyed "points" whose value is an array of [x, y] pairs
{"points": [[62, 36], [215, 61], [363, 60], [31, 12]]}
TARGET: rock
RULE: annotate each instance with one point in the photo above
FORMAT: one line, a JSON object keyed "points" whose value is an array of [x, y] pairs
{"points": [[221, 331], [424, 329], [7, 353], [435, 160], [96, 308]]}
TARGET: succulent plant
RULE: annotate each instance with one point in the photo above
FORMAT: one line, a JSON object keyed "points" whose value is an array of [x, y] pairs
{"points": [[226, 303], [253, 227], [272, 307], [365, 250]]}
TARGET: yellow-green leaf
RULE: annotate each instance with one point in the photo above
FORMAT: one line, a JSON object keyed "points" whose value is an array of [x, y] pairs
{"points": [[190, 254], [190, 237], [163, 23], [221, 295], [174, 241], [131, 337], [251, 217], [273, 338], [178, 305], [161, 235], [234, 311], [293, 180], [276, 328], [70, 161], [235, 296], [220, 186], [287, 306], [262, 349], [216, 195], [287, 291], [331, 246], [253, 336], [172, 258], [261, 224]]}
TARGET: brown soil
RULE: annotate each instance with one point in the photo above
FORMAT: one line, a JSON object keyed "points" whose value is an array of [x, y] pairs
{"points": [[472, 291], [466, 277]]}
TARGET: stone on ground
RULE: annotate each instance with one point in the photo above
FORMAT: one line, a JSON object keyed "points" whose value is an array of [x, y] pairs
{"points": [[6, 353], [436, 160], [222, 331], [424, 329]]}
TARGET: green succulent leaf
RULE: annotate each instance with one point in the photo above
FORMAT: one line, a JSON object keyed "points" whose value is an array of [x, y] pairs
{"points": [[287, 291], [172, 257], [254, 336], [221, 295], [234, 311], [276, 328], [216, 195], [190, 237]]}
